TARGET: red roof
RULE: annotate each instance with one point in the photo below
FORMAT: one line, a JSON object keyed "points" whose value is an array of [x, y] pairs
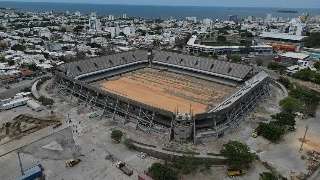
{"points": [[26, 72]]}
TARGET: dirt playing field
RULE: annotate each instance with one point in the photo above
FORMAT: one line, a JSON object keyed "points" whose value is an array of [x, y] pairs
{"points": [[168, 90]]}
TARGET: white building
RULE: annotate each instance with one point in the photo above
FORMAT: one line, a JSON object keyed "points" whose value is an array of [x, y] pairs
{"points": [[296, 27], [114, 31], [111, 18], [124, 16], [268, 18], [194, 19], [207, 22], [129, 31], [45, 32], [250, 18], [94, 23], [94, 14], [77, 14]]}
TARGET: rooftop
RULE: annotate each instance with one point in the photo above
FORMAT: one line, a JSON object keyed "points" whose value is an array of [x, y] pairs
{"points": [[295, 55], [282, 36]]}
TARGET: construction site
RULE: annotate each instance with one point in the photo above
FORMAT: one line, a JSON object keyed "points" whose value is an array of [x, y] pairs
{"points": [[168, 104], [23, 125], [168, 91]]}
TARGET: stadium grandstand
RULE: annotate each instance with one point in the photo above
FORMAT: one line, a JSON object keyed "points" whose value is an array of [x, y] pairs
{"points": [[77, 77]]}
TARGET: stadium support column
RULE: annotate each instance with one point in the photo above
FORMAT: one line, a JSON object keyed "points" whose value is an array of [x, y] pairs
{"points": [[80, 91], [171, 127], [115, 110], [125, 117], [194, 130], [215, 127], [87, 97], [95, 102], [74, 85], [151, 122], [137, 126], [104, 107]]}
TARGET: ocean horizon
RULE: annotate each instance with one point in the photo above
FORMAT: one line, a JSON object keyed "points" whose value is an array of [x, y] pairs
{"points": [[156, 11]]}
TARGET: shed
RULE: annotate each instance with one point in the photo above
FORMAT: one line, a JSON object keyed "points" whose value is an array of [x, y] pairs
{"points": [[34, 105]]}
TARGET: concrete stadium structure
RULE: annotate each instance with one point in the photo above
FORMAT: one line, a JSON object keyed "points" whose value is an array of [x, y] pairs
{"points": [[75, 78]]}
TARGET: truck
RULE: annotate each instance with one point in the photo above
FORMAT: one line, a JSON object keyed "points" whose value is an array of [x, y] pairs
{"points": [[235, 172], [122, 166]]}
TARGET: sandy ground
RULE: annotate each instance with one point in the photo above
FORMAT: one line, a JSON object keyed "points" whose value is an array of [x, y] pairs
{"points": [[168, 90]]}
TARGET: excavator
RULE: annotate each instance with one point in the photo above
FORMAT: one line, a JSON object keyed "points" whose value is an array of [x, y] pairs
{"points": [[72, 162]]}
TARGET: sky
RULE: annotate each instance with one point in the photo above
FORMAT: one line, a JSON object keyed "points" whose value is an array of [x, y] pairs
{"points": [[224, 3]]}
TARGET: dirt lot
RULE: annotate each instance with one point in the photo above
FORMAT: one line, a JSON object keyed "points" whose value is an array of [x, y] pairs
{"points": [[168, 90], [22, 125]]}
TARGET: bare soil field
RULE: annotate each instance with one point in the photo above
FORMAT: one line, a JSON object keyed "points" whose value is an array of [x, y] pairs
{"points": [[23, 125], [168, 90]]}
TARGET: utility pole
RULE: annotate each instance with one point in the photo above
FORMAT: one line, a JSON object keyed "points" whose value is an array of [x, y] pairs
{"points": [[18, 153], [304, 137]]}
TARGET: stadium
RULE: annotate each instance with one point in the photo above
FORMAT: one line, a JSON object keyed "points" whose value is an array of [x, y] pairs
{"points": [[173, 96]]}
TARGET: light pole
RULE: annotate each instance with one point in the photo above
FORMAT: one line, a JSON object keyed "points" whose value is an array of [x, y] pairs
{"points": [[304, 137]]}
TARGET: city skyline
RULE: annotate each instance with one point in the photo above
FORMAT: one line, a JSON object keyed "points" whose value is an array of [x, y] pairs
{"points": [[219, 3]]}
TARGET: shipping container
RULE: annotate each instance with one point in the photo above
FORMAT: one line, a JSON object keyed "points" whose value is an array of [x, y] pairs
{"points": [[34, 105]]}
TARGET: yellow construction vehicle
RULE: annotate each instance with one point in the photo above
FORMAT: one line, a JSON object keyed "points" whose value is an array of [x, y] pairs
{"points": [[72, 162], [232, 172]]}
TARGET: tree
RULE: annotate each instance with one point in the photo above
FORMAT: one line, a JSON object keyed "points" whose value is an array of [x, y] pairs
{"points": [[259, 62], [234, 58], [10, 62], [271, 131], [186, 163], [313, 40], [291, 104], [286, 82], [26, 89], [306, 75], [80, 55], [238, 155], [45, 101], [18, 47], [317, 65], [116, 135], [309, 97], [32, 67], [160, 171], [284, 119], [276, 66], [267, 176], [129, 143]]}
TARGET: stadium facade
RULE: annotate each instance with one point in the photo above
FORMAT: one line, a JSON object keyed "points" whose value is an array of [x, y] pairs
{"points": [[75, 78]]}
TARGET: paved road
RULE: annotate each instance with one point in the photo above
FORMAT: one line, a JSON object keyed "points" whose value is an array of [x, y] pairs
{"points": [[15, 88]]}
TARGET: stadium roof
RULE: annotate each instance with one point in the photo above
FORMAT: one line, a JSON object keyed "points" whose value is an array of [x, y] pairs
{"points": [[218, 68], [99, 64], [282, 36], [222, 69], [295, 55]]}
